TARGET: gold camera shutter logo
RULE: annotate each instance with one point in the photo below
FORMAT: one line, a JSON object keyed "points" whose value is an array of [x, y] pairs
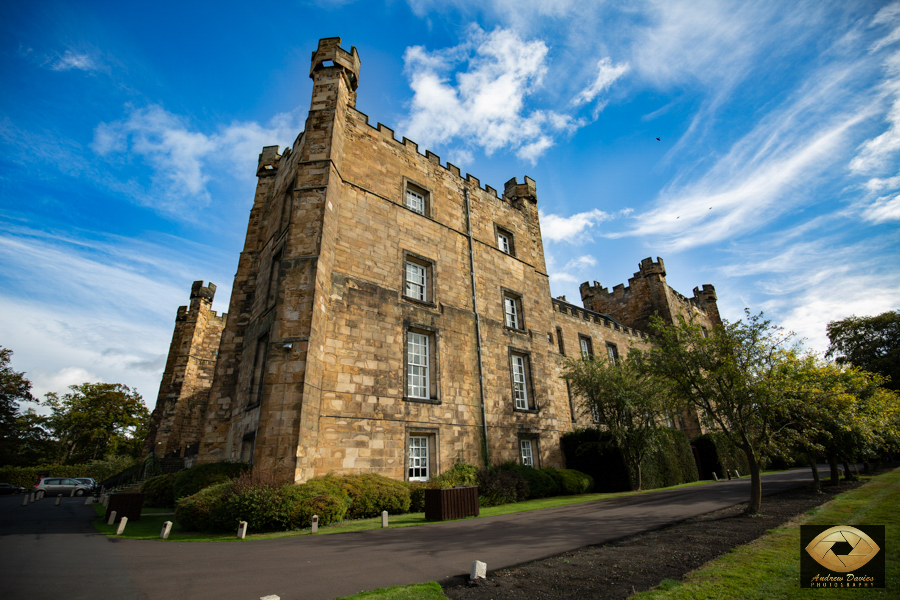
{"points": [[864, 549]]}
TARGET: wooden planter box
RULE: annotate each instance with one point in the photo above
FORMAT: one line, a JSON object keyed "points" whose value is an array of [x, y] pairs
{"points": [[453, 503], [126, 505]]}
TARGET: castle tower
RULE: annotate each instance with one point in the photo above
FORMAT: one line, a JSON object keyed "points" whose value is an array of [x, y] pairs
{"points": [[648, 294], [176, 422]]}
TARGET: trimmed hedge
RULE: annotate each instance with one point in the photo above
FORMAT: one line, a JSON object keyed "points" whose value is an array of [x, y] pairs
{"points": [[98, 470], [718, 454], [191, 481], [571, 482], [159, 491], [590, 451], [498, 486], [370, 494], [540, 483]]}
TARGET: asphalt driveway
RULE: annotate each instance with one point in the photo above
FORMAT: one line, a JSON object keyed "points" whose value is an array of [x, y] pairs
{"points": [[47, 549]]}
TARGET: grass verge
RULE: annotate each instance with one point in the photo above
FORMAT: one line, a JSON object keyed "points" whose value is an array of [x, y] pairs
{"points": [[418, 591], [770, 566]]}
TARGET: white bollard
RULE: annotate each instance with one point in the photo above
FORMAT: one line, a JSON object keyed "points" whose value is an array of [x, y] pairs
{"points": [[88, 500], [716, 477], [315, 524], [112, 518], [25, 500], [106, 501], [479, 570], [72, 493], [384, 519], [121, 528], [58, 499], [32, 496], [166, 530], [242, 529]]}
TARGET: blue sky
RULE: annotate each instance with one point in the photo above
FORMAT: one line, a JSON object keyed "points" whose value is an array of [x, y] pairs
{"points": [[129, 135]]}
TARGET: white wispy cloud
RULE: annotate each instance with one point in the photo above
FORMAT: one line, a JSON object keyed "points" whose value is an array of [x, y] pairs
{"points": [[484, 105], [69, 60], [607, 74], [182, 158], [556, 228]]}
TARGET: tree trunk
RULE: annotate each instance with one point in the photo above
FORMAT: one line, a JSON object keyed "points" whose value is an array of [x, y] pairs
{"points": [[639, 482], [867, 466], [755, 483], [848, 472], [835, 473], [815, 471]]}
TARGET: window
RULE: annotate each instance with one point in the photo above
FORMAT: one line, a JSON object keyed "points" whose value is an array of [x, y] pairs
{"points": [[512, 311], [247, 446], [416, 198], [418, 278], [274, 274], [526, 452], [505, 241], [415, 201], [613, 354], [421, 365], [418, 458], [416, 281], [257, 377], [418, 378], [521, 380], [705, 331], [559, 340], [587, 348]]}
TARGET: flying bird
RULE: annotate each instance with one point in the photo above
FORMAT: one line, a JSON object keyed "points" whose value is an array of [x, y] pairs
{"points": [[658, 140]]}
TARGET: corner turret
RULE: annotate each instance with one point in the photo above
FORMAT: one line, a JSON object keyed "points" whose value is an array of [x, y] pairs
{"points": [[518, 191]]}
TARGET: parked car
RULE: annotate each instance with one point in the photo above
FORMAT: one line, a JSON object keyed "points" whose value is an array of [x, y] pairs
{"points": [[8, 488], [90, 482], [53, 486]]}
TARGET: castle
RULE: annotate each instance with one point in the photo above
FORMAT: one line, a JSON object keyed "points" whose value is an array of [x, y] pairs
{"points": [[389, 315]]}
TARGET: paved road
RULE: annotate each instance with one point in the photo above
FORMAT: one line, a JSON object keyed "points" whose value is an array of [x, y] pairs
{"points": [[42, 545]]}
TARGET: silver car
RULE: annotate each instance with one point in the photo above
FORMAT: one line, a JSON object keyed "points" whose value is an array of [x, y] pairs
{"points": [[53, 486]]}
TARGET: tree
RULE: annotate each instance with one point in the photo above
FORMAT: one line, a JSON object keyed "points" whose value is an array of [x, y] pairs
{"points": [[870, 343], [97, 419], [624, 400], [14, 388], [731, 377]]}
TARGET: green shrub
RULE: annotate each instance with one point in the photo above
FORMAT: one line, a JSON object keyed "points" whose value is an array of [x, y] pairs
{"points": [[159, 491], [459, 474], [370, 494], [191, 481], [571, 482], [498, 486], [262, 506], [718, 454], [323, 496], [540, 483], [417, 495], [198, 512]]}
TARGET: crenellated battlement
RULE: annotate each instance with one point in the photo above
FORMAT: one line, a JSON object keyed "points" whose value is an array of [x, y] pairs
{"points": [[329, 54], [199, 291], [648, 267], [269, 160], [562, 307]]}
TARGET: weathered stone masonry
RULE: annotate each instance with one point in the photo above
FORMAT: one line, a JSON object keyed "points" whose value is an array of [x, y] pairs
{"points": [[355, 339]]}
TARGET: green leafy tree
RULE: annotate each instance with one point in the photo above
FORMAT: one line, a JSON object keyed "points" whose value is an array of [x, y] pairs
{"points": [[870, 343], [624, 400], [14, 388], [731, 376], [95, 420]]}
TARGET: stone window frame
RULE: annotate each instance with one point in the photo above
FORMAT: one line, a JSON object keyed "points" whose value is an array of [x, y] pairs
{"points": [[275, 273], [430, 287], [258, 376], [590, 346], [434, 369], [510, 238], [432, 435], [531, 400], [518, 299], [425, 192], [560, 343], [612, 352], [535, 442], [248, 443]]}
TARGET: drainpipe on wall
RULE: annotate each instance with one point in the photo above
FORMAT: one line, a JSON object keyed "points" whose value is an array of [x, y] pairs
{"points": [[477, 327]]}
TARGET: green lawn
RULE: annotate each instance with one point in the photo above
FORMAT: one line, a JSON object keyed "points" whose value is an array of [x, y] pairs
{"points": [[149, 526], [770, 566]]}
